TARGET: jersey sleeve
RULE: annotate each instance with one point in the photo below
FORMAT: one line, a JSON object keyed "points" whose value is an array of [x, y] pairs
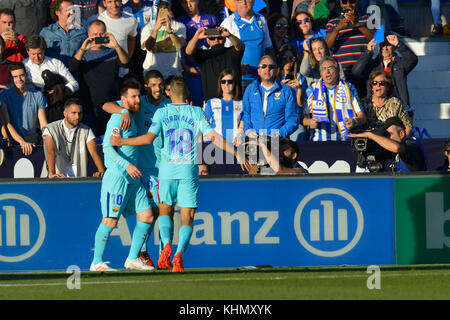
{"points": [[156, 125], [108, 149], [205, 126]]}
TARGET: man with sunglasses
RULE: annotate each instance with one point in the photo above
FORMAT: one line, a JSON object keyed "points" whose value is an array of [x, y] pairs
{"points": [[397, 65], [347, 37], [211, 62], [269, 105]]}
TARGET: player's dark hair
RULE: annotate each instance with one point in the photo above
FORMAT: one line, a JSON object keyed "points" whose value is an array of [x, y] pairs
{"points": [[151, 74], [72, 101], [130, 83], [178, 87]]}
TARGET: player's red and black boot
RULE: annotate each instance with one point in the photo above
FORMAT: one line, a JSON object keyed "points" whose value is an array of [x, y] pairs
{"points": [[164, 258], [177, 263], [145, 258]]}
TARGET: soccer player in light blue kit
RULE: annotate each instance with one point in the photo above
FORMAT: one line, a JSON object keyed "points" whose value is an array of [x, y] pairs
{"points": [[148, 154], [122, 192], [179, 125]]}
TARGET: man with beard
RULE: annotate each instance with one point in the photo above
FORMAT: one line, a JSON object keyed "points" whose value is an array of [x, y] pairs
{"points": [[66, 142], [212, 62], [122, 192], [148, 154]]}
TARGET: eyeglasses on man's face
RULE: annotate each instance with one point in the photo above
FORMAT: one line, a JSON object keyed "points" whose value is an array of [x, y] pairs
{"points": [[270, 66]]}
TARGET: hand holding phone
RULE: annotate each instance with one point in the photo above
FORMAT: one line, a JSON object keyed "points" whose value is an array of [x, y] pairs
{"points": [[101, 40]]}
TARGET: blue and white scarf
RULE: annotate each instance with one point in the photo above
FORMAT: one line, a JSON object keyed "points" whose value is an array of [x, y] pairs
{"points": [[342, 105]]}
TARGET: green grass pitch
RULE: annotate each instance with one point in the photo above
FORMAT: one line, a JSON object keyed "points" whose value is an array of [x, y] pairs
{"points": [[420, 282]]}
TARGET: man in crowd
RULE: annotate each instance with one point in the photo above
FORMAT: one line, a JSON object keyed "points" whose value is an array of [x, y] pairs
{"points": [[268, 104], [252, 29], [347, 37], [333, 108], [26, 108], [37, 63], [67, 143], [409, 153], [97, 66], [63, 38], [178, 171], [163, 39], [14, 49], [122, 25], [213, 61], [122, 192]]}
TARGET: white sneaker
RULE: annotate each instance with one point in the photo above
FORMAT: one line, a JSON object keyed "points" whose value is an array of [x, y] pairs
{"points": [[137, 264], [101, 266]]}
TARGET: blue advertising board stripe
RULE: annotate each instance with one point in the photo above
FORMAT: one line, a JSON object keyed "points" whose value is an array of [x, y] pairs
{"points": [[289, 221]]}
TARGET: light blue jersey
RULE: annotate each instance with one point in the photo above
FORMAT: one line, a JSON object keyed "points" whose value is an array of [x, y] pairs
{"points": [[148, 154], [179, 126], [117, 159]]}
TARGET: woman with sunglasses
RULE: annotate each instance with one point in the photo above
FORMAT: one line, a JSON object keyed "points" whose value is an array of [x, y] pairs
{"points": [[313, 52], [303, 30], [288, 73], [279, 29], [225, 111], [380, 104]]}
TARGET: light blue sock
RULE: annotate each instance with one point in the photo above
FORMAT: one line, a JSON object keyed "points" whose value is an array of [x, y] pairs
{"points": [[144, 245], [139, 236], [165, 229], [184, 236], [101, 240]]}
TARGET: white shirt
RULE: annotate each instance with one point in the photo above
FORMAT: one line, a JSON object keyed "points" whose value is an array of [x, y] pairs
{"points": [[70, 169], [34, 72], [120, 28], [69, 133], [229, 24], [168, 57]]}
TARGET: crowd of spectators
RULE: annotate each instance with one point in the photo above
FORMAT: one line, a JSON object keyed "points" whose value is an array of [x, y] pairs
{"points": [[303, 70]]}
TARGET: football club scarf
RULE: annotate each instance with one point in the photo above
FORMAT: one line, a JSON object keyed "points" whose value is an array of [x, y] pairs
{"points": [[342, 105]]}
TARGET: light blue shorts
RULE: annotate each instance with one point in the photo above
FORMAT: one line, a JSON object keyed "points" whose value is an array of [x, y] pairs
{"points": [[150, 182], [118, 197], [184, 192]]}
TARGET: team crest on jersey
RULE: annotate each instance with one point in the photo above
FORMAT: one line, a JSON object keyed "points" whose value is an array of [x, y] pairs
{"points": [[238, 107], [115, 132], [115, 209], [260, 24], [277, 95]]}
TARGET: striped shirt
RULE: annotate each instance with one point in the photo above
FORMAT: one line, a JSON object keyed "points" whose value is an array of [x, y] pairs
{"points": [[350, 43]]}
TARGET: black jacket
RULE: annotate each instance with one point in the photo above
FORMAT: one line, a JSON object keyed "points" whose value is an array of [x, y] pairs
{"points": [[400, 67]]}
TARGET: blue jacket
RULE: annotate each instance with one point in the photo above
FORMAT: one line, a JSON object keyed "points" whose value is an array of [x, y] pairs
{"points": [[282, 111]]}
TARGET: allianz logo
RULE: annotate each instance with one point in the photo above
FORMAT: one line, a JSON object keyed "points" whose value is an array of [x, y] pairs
{"points": [[435, 221], [22, 227], [329, 222]]}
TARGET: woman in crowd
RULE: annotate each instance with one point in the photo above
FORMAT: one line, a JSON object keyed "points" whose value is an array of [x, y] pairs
{"points": [[288, 73], [303, 31], [279, 29], [380, 104], [315, 51], [225, 111]]}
